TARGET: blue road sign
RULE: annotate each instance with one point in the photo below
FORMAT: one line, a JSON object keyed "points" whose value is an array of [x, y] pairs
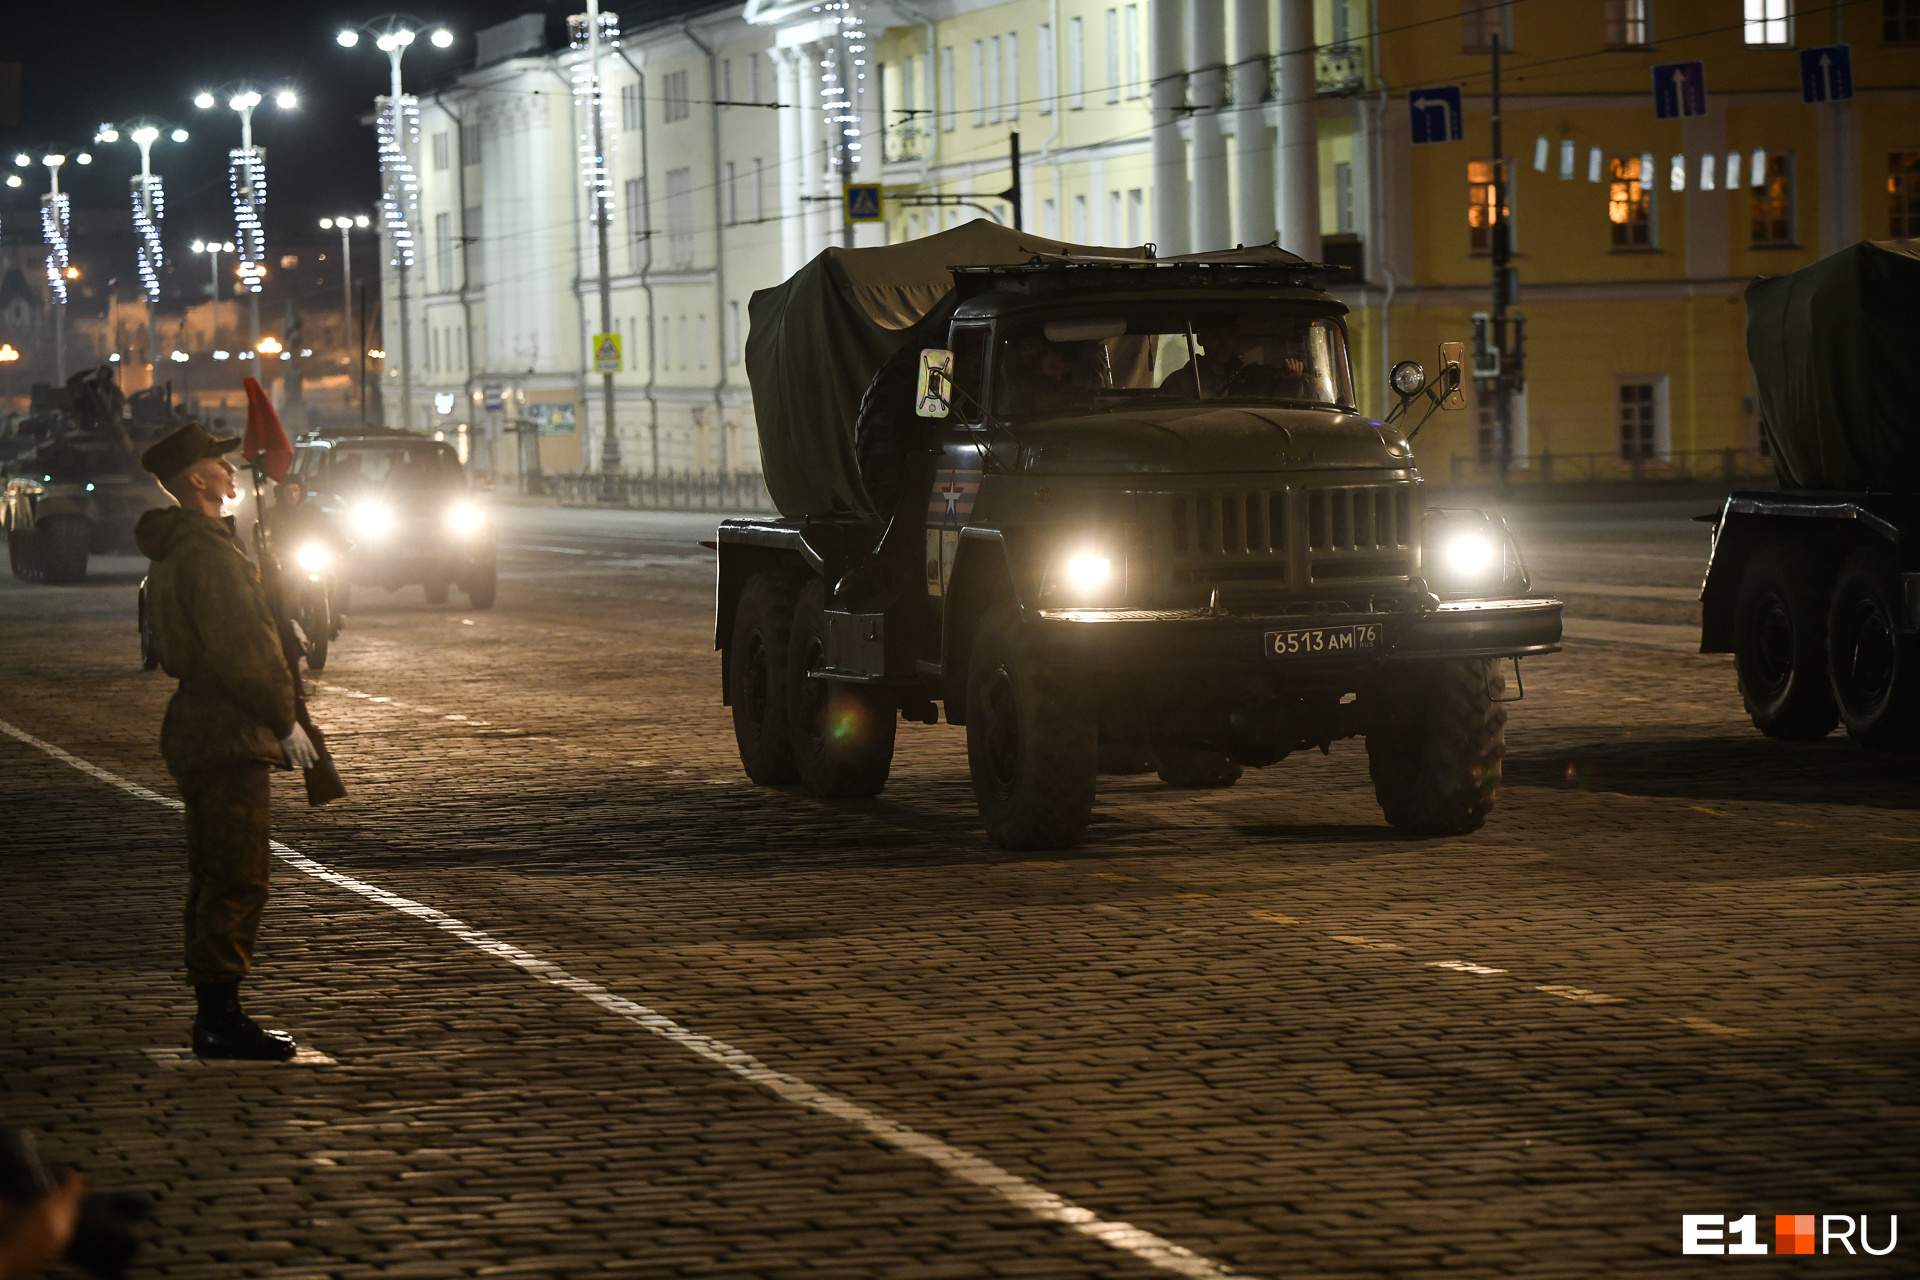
{"points": [[493, 397], [1826, 73], [1679, 89], [1436, 114], [863, 202]]}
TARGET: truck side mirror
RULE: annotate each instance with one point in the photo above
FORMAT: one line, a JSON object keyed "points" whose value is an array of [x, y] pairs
{"points": [[1452, 388], [933, 398]]}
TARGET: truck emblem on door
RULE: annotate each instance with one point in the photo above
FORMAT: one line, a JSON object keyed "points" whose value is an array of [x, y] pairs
{"points": [[954, 490]]}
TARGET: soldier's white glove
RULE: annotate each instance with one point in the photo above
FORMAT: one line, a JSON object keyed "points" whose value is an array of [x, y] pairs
{"points": [[299, 748]]}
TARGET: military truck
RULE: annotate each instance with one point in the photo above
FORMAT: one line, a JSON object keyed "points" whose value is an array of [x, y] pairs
{"points": [[1147, 523], [1815, 587], [73, 486]]}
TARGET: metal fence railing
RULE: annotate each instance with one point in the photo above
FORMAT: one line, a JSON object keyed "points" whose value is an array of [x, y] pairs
{"points": [[1713, 466], [669, 491]]}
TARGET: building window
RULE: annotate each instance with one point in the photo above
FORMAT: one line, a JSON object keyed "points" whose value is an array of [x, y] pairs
{"points": [[1903, 194], [1136, 216], [949, 116], [1046, 69], [680, 217], [1012, 95], [994, 96], [470, 256], [1050, 217], [636, 215], [630, 107], [443, 249], [1343, 220], [759, 189], [733, 333], [1627, 25], [469, 144], [1902, 22], [1480, 211], [1113, 219], [1629, 204], [442, 152], [731, 190], [1131, 35], [753, 78], [1773, 220], [1076, 64], [677, 104], [1113, 55], [1768, 22], [1640, 410], [979, 83], [1082, 233], [726, 80], [1481, 21]]}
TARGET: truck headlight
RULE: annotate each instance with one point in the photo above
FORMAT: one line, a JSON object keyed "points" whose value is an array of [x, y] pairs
{"points": [[464, 517], [1471, 553], [314, 558], [373, 519], [1086, 574]]}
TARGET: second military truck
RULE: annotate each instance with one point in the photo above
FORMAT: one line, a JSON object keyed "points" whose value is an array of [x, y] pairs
{"points": [[1102, 510]]}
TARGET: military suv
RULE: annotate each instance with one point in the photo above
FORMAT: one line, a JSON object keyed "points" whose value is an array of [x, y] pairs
{"points": [[1158, 530], [404, 502]]}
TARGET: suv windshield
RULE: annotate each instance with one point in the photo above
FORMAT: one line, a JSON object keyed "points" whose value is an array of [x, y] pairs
{"points": [[1071, 363], [410, 466]]}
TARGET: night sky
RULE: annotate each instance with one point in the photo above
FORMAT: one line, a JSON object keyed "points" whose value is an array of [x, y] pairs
{"points": [[85, 64]]}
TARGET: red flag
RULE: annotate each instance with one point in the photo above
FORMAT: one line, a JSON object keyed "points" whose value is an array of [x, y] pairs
{"points": [[266, 444]]}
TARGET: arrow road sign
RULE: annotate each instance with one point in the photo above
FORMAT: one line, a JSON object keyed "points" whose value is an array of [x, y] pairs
{"points": [[1435, 113], [1826, 73], [1679, 89]]}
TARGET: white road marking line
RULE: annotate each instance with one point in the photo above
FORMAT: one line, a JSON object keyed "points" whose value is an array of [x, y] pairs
{"points": [[1465, 966], [1580, 994], [1371, 944], [1010, 1187]]}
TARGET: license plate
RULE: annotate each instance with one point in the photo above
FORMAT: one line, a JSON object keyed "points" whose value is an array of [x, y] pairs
{"points": [[1308, 642]]}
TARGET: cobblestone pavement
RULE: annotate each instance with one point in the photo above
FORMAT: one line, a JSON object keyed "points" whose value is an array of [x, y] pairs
{"points": [[1674, 974]]}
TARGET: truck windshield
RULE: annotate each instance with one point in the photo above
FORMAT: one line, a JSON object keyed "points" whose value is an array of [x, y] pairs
{"points": [[1113, 361], [352, 469]]}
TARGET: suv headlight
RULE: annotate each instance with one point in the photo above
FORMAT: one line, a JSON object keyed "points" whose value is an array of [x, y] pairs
{"points": [[1471, 553], [373, 519], [464, 517]]}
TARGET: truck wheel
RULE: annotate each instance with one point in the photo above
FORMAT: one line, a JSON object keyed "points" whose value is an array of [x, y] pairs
{"points": [[1435, 748], [1189, 769], [1033, 740], [437, 590], [1780, 645], [842, 733], [63, 550], [1876, 670], [757, 679], [484, 588], [23, 555]]}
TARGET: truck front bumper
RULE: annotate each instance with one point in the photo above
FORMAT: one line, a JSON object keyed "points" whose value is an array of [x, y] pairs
{"points": [[1145, 641]]}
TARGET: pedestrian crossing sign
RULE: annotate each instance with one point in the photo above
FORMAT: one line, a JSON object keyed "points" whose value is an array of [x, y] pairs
{"points": [[606, 353], [863, 202]]}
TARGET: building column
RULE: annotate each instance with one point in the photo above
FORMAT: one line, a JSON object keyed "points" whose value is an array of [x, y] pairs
{"points": [[1253, 209], [1299, 139], [787, 168], [1166, 65], [1212, 202]]}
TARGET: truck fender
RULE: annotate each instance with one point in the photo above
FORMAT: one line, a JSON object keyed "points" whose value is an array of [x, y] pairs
{"points": [[1748, 522], [990, 565], [737, 563]]}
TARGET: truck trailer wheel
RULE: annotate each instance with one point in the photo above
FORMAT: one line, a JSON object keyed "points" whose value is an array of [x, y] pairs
{"points": [[1780, 644], [1191, 769], [757, 678], [842, 733], [23, 555], [1033, 740], [1876, 670], [1436, 746], [63, 550]]}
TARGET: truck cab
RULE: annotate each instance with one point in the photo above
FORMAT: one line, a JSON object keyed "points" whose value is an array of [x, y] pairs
{"points": [[1158, 534]]}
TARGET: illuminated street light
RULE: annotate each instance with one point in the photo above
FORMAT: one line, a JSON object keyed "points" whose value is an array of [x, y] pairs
{"points": [[56, 219], [247, 177], [268, 346], [399, 132], [149, 210], [213, 249]]}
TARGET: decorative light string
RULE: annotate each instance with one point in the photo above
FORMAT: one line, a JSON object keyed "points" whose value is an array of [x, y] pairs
{"points": [[54, 221], [842, 81], [149, 209], [247, 175], [400, 202], [596, 167]]}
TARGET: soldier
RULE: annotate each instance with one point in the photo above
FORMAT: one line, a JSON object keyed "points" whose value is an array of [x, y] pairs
{"points": [[231, 719]]}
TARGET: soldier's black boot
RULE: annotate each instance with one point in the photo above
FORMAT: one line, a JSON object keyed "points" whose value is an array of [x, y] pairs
{"points": [[222, 1030]]}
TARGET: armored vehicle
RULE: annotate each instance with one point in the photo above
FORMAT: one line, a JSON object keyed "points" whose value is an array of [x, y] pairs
{"points": [[1815, 587], [73, 487], [1141, 522], [404, 503]]}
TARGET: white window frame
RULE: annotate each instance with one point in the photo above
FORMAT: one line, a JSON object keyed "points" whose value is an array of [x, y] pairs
{"points": [[1767, 24], [1113, 55], [1132, 41]]}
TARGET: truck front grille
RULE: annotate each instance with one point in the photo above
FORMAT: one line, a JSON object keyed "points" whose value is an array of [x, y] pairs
{"points": [[1360, 518], [1231, 523]]}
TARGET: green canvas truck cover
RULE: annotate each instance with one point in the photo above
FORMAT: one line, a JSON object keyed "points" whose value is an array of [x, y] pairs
{"points": [[817, 339], [1836, 356]]}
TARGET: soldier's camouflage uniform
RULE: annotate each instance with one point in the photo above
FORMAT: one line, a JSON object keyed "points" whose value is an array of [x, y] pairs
{"points": [[213, 632]]}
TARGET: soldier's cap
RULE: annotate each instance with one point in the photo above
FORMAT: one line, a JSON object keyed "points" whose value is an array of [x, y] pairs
{"points": [[181, 448]]}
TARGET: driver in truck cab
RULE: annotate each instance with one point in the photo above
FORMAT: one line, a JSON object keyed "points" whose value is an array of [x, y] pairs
{"points": [[1234, 363]]}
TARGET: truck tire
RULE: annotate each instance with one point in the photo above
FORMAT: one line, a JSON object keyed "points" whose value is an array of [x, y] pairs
{"points": [[842, 733], [484, 588], [437, 590], [1033, 740], [1875, 669], [23, 555], [757, 678], [63, 550], [1434, 751], [1780, 644], [1191, 769]]}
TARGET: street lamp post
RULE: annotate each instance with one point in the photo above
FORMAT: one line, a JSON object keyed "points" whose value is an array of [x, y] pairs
{"points": [[149, 209], [400, 115], [55, 223], [247, 173], [213, 249], [600, 200], [347, 224]]}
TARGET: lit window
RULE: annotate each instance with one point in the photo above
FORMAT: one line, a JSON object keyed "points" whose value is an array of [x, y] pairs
{"points": [[1773, 204], [1629, 204], [1627, 24], [1768, 22], [1480, 211]]}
